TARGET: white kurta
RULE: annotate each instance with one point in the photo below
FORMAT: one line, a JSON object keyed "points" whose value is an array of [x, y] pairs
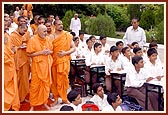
{"points": [[75, 25]]}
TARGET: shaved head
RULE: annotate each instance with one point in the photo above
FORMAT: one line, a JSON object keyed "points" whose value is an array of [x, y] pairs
{"points": [[42, 31]]}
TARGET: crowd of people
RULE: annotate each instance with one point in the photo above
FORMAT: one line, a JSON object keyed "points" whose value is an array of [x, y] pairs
{"points": [[37, 62]]}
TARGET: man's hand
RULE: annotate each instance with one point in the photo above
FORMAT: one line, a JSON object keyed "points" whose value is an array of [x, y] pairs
{"points": [[149, 79], [61, 54]]}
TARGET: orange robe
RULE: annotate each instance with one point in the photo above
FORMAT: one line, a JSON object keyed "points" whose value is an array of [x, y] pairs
{"points": [[34, 28], [61, 66], [29, 8], [41, 71], [22, 62], [11, 96]]}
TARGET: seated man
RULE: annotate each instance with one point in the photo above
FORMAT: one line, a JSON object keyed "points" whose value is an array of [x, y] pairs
{"points": [[135, 79], [112, 64], [75, 100], [114, 101], [99, 98]]}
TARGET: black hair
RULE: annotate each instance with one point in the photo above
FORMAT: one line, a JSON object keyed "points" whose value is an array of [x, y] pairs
{"points": [[113, 48], [135, 18], [95, 87], [92, 37], [72, 95], [119, 42], [133, 43], [88, 40], [101, 37], [136, 59], [66, 108], [135, 50], [81, 33], [75, 38], [152, 44], [96, 45], [124, 49], [73, 33], [151, 51], [111, 98]]}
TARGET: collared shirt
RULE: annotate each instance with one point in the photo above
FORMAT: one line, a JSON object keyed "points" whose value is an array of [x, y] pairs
{"points": [[134, 79], [105, 48], [153, 70], [137, 35], [110, 64], [94, 58], [87, 51], [109, 108], [101, 103], [82, 44], [126, 63]]}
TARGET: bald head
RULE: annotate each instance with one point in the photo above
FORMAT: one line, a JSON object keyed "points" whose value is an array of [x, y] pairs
{"points": [[42, 31], [58, 25]]}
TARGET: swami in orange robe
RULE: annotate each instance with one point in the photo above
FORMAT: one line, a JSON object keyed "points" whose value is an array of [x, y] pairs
{"points": [[11, 96], [41, 68], [63, 46], [29, 8], [22, 61]]}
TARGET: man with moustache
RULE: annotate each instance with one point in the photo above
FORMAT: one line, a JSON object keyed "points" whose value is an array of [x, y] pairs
{"points": [[63, 46]]}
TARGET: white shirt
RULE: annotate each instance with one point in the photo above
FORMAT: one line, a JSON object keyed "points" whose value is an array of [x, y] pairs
{"points": [[78, 52], [93, 58], [76, 108], [104, 48], [17, 14], [101, 103], [75, 25], [82, 44], [134, 79], [110, 64], [126, 63], [132, 35], [87, 51], [110, 108], [153, 70]]}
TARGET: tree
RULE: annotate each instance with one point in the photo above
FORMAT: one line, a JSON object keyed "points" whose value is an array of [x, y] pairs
{"points": [[67, 19], [102, 25], [134, 10]]}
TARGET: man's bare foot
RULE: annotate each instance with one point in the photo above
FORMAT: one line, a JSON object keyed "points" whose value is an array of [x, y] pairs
{"points": [[31, 109], [54, 103], [47, 107]]}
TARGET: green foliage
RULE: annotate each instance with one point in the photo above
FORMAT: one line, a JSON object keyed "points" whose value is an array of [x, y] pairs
{"points": [[156, 34], [102, 25], [160, 32], [133, 10], [84, 24], [159, 13], [67, 19], [147, 19], [118, 13]]}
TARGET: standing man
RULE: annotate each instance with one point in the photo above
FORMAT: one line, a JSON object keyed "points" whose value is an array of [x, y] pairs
{"points": [[63, 46], [134, 33], [75, 25], [19, 39], [40, 49]]}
